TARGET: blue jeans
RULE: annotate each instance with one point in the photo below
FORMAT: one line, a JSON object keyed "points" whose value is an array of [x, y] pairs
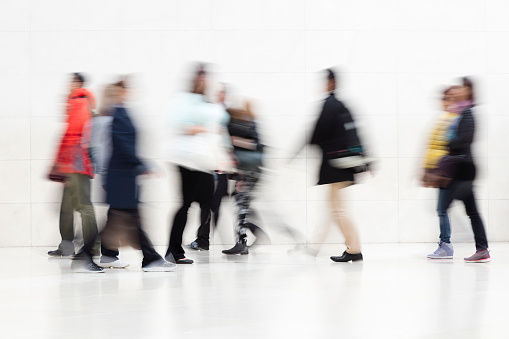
{"points": [[444, 201]]}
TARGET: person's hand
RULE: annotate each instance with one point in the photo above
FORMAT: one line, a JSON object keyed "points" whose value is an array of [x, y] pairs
{"points": [[154, 173], [193, 130]]}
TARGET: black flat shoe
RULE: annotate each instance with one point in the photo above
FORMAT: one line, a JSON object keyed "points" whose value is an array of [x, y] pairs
{"points": [[184, 261], [345, 257]]}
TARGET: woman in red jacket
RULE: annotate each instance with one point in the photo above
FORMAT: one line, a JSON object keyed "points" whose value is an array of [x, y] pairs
{"points": [[74, 165]]}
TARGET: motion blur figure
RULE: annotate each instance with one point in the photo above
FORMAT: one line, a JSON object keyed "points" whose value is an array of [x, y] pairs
{"points": [[331, 136], [122, 192], [436, 150], [249, 153], [459, 170], [100, 143], [220, 191], [74, 168], [199, 140]]}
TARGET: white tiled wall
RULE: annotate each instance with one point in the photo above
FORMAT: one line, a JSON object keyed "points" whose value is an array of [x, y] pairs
{"points": [[394, 57]]}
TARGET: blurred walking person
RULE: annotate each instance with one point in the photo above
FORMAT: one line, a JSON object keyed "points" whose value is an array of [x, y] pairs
{"points": [[100, 143], [74, 169], [336, 135], [457, 172], [249, 153], [198, 150], [220, 191], [122, 193], [436, 150]]}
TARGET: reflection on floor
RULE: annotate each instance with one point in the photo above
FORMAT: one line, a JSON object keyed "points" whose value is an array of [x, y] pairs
{"points": [[395, 293]]}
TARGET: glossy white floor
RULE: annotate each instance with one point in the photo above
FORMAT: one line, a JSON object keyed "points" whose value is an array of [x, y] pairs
{"points": [[394, 293]]}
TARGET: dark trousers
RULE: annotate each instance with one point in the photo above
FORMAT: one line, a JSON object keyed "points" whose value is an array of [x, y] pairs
{"points": [[129, 218], [196, 187], [221, 190], [76, 197], [462, 190]]}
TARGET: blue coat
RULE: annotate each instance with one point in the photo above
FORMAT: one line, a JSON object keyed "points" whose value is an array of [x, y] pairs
{"points": [[124, 165]]}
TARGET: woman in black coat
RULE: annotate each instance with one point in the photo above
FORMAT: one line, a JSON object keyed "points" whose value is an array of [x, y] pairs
{"points": [[330, 135], [464, 169], [122, 191]]}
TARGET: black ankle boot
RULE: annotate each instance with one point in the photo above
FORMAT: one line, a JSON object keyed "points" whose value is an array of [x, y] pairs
{"points": [[239, 248]]}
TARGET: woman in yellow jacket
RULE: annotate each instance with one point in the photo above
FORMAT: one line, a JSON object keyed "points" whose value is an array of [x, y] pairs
{"points": [[436, 150]]}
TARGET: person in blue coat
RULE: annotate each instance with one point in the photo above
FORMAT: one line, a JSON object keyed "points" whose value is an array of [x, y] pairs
{"points": [[122, 191]]}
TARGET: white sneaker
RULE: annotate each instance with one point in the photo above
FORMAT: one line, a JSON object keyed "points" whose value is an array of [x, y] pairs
{"points": [[160, 266], [111, 262]]}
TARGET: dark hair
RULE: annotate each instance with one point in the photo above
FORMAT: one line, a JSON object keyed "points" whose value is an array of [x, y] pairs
{"points": [[78, 77], [331, 76], [200, 71], [467, 82], [120, 84]]}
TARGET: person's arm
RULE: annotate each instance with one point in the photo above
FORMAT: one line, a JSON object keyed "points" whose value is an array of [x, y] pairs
{"points": [[244, 143]]}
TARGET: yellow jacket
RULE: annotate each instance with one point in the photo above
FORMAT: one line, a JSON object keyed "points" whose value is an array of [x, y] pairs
{"points": [[437, 146]]}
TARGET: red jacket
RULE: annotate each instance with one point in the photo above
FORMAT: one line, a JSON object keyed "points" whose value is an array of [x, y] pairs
{"points": [[73, 156]]}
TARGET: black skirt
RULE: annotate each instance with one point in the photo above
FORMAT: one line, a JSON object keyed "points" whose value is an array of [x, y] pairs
{"points": [[330, 175]]}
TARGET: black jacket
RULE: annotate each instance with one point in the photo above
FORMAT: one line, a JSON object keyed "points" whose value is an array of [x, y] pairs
{"points": [[461, 146], [124, 166], [330, 135]]}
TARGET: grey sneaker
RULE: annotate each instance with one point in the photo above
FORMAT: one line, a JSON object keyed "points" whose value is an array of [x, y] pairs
{"points": [[58, 253], [479, 256], [444, 251], [160, 266]]}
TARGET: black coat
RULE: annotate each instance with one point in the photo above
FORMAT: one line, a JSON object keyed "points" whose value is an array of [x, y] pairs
{"points": [[330, 135], [124, 165], [461, 147]]}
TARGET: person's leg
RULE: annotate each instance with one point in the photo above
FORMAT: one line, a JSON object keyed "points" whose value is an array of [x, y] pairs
{"points": [[204, 195], [66, 246], [481, 241], [109, 243], [179, 222], [243, 188], [243, 195], [220, 191], [445, 250], [340, 218], [86, 209], [149, 253], [444, 201]]}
